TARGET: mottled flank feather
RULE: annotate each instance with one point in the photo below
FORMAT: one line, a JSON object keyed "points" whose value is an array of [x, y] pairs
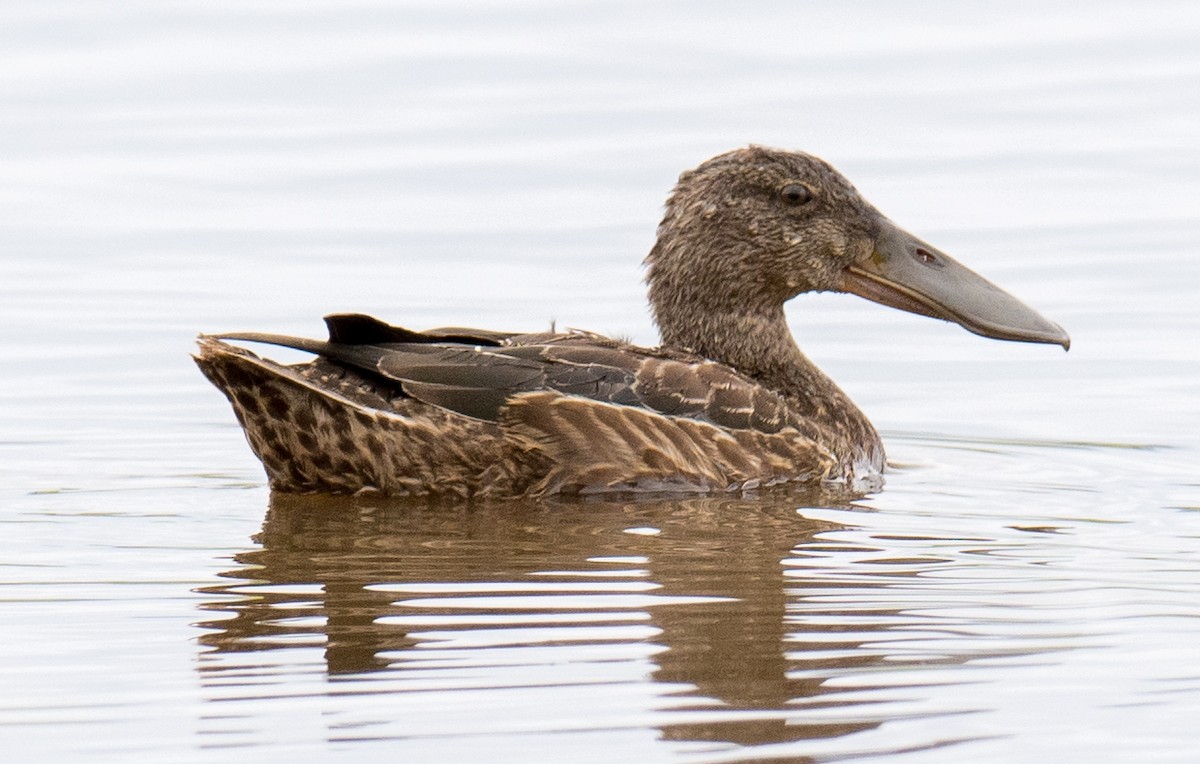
{"points": [[593, 446], [317, 428]]}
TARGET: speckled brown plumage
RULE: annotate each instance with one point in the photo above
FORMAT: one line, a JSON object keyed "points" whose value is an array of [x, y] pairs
{"points": [[726, 402]]}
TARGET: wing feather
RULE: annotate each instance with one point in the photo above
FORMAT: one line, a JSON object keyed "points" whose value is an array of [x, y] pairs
{"points": [[475, 373]]}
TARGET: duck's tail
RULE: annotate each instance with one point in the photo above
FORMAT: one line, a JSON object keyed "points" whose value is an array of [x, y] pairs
{"points": [[320, 427]]}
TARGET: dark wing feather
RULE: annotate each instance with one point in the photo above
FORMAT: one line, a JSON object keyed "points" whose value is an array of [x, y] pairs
{"points": [[477, 402], [476, 373], [711, 392], [600, 373], [489, 368], [477, 381], [359, 329]]}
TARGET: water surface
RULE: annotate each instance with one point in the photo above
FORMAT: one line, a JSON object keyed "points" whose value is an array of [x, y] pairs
{"points": [[1024, 589]]}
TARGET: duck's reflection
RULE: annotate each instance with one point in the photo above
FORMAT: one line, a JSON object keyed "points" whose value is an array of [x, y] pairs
{"points": [[373, 580]]}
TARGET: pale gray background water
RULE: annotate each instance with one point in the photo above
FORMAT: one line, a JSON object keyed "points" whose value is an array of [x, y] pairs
{"points": [[1027, 588]]}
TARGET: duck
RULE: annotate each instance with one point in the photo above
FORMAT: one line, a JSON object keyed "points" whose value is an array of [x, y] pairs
{"points": [[726, 402]]}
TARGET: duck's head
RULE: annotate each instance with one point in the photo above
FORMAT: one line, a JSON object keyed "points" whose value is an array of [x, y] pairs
{"points": [[750, 229]]}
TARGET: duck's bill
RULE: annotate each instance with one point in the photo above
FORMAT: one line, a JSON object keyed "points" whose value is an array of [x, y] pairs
{"points": [[906, 273]]}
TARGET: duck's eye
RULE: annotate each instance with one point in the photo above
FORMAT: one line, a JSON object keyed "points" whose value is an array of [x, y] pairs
{"points": [[796, 194]]}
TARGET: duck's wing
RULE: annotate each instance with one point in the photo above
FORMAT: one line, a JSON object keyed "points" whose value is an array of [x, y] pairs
{"points": [[476, 372], [360, 329]]}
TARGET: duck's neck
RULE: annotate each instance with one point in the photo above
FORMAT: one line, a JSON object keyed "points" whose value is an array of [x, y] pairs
{"points": [[759, 345]]}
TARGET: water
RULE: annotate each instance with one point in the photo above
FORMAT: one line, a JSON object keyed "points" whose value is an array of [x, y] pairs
{"points": [[1024, 589]]}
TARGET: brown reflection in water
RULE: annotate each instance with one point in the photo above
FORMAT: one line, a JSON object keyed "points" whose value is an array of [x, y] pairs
{"points": [[734, 652], [730, 653]]}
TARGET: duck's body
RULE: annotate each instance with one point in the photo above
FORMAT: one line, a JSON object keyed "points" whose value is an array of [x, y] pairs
{"points": [[727, 402], [523, 415]]}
